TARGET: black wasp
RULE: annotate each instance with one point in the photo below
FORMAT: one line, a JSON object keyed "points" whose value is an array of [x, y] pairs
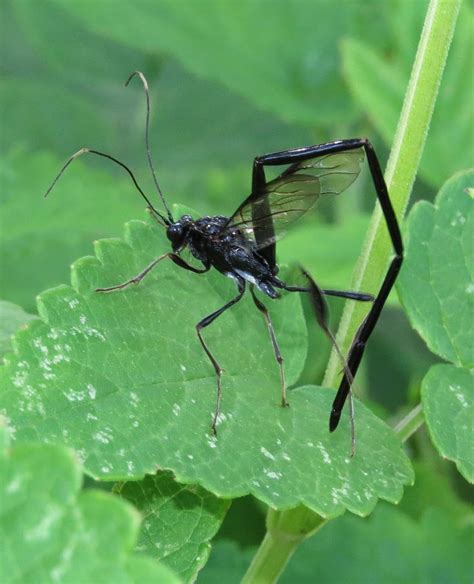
{"points": [[243, 246]]}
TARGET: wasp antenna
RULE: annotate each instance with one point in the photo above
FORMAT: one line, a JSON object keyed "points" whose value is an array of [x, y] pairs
{"points": [[147, 138], [124, 166], [73, 157]]}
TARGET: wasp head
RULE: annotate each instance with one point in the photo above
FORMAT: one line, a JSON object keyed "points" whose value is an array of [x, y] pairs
{"points": [[177, 232]]}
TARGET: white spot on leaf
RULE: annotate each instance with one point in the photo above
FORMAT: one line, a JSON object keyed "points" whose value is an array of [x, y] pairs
{"points": [[324, 453], [74, 395], [271, 474], [266, 453]]}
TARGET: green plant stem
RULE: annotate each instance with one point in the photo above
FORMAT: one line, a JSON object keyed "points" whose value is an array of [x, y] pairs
{"points": [[410, 423], [278, 545], [402, 164], [285, 531]]}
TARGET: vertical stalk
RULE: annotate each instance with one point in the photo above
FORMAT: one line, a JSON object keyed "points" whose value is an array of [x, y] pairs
{"points": [[403, 163], [286, 529], [410, 423]]}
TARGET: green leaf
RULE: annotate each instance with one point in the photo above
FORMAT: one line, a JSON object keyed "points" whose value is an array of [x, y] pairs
{"points": [[179, 521], [436, 281], [122, 378], [388, 547], [236, 44], [12, 317], [378, 80], [448, 404], [51, 532]]}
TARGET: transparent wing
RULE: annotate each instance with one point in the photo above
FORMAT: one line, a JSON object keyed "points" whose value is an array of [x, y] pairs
{"points": [[265, 216]]}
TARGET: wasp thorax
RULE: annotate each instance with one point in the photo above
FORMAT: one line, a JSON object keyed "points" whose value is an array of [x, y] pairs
{"points": [[177, 232]]}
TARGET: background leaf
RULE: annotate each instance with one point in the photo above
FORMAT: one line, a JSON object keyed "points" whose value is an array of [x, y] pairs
{"points": [[51, 532], [448, 405], [92, 107], [77, 66], [40, 101], [436, 281], [122, 378], [228, 42], [178, 523]]}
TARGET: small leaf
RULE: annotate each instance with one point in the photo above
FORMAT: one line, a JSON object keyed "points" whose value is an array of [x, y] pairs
{"points": [[448, 404], [53, 533], [179, 521], [12, 317], [436, 281], [122, 378]]}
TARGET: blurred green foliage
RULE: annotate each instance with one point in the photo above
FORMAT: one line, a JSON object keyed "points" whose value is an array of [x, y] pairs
{"points": [[229, 81], [55, 532]]}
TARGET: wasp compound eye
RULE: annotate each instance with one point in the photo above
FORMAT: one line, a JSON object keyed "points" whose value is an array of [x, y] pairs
{"points": [[174, 232]]}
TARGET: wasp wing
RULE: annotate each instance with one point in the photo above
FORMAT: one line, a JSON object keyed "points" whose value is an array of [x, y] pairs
{"points": [[266, 215]]}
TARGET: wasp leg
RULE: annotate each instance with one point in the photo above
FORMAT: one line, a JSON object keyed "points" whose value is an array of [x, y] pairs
{"points": [[139, 277], [276, 349], [217, 368]]}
